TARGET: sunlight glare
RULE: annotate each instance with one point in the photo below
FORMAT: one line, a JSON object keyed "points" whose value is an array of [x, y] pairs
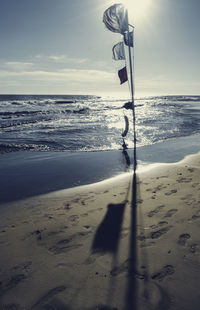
{"points": [[137, 9]]}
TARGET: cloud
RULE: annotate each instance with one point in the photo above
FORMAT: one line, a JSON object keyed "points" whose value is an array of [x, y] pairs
{"points": [[60, 58], [69, 75], [67, 59], [38, 56], [165, 84], [18, 65], [87, 75], [53, 60], [60, 81], [85, 80]]}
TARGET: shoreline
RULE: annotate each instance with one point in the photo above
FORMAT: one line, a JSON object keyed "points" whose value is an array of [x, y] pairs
{"points": [[27, 174], [124, 243]]}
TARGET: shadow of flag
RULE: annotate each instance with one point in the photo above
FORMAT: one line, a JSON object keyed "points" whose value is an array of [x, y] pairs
{"points": [[108, 233], [122, 73]]}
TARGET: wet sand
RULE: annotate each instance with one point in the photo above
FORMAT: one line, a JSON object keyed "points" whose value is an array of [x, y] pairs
{"points": [[130, 242], [29, 173]]}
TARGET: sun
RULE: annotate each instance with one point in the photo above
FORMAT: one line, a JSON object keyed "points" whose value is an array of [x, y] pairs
{"points": [[138, 9]]}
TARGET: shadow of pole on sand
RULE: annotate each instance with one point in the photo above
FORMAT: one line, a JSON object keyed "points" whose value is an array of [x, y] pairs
{"points": [[108, 234], [131, 291]]}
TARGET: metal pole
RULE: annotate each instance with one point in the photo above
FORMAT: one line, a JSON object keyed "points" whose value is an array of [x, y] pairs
{"points": [[132, 92]]}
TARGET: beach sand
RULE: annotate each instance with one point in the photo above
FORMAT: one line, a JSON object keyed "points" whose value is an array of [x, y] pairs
{"points": [[130, 242]]}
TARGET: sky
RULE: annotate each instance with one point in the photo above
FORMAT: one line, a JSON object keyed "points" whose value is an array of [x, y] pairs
{"points": [[63, 47]]}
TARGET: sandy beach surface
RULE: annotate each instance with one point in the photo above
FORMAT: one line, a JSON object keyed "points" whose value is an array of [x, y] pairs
{"points": [[130, 242]]}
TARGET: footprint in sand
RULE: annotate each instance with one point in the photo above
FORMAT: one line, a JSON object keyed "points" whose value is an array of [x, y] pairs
{"points": [[155, 189], [65, 245], [156, 210], [52, 233], [170, 212], [74, 219], [158, 188], [146, 244], [187, 197], [167, 270], [14, 280], [43, 302], [162, 223], [195, 217], [90, 260], [18, 274], [67, 207], [58, 249], [184, 180], [11, 307], [191, 169], [76, 200], [183, 238], [157, 234], [38, 233], [84, 214], [195, 185], [193, 247], [61, 265], [162, 177], [154, 235], [25, 266], [126, 266], [173, 191]]}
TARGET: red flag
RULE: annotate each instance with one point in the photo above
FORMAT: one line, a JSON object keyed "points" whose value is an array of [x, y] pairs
{"points": [[122, 73]]}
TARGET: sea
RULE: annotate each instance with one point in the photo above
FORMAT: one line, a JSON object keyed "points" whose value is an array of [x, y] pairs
{"points": [[85, 123]]}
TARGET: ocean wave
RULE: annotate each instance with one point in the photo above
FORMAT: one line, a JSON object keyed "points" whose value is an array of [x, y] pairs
{"points": [[46, 97], [17, 123], [193, 99], [65, 101], [19, 113], [78, 123], [20, 122], [174, 98], [16, 103], [76, 111], [12, 147], [81, 111]]}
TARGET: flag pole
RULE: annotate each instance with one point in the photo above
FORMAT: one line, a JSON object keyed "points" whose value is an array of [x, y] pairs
{"points": [[131, 64]]}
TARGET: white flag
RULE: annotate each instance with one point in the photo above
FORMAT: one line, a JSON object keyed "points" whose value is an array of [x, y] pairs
{"points": [[115, 18], [118, 51]]}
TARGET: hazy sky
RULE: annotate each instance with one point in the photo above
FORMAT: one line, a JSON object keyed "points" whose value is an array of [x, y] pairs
{"points": [[62, 47]]}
